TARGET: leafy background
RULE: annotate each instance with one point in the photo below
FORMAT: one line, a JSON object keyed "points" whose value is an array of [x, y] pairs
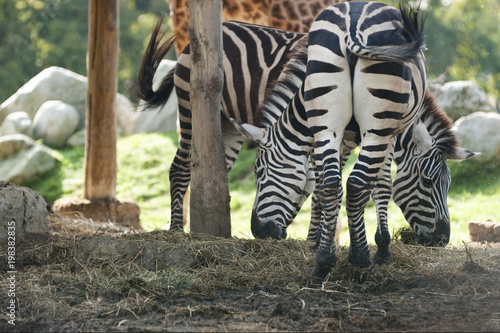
{"points": [[463, 35]]}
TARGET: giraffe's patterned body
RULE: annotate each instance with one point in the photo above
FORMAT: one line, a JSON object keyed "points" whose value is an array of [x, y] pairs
{"points": [[293, 15]]}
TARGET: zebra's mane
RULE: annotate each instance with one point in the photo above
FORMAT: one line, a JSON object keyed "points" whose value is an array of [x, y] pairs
{"points": [[280, 92], [439, 125]]}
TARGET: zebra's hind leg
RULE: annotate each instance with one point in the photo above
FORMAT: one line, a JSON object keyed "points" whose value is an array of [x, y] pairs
{"points": [[180, 176], [358, 193], [330, 192], [316, 212], [381, 195]]}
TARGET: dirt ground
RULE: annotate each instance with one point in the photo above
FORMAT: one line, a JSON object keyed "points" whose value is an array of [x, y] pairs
{"points": [[92, 277]]}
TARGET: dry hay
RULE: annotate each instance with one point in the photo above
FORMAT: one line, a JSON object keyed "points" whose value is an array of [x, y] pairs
{"points": [[90, 277]]}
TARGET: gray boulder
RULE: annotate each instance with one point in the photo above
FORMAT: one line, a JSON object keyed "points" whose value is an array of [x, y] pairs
{"points": [[17, 122], [22, 159], [161, 119], [461, 98], [480, 132], [77, 139], [11, 145], [55, 122], [22, 211], [56, 83]]}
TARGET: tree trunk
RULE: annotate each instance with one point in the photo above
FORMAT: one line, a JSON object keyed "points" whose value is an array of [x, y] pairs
{"points": [[209, 207], [102, 68]]}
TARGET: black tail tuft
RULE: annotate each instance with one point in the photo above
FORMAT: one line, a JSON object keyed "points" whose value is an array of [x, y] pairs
{"points": [[411, 32], [155, 52]]}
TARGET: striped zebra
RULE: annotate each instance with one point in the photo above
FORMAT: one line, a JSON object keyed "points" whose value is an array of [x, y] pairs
{"points": [[253, 57], [377, 51]]}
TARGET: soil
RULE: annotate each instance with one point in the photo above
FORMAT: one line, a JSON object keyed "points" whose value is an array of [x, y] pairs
{"points": [[85, 276]]}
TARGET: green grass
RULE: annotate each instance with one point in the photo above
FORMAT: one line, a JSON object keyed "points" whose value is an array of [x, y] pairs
{"points": [[144, 161]]}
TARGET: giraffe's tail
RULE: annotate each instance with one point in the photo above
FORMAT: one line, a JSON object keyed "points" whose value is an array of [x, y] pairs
{"points": [[154, 54]]}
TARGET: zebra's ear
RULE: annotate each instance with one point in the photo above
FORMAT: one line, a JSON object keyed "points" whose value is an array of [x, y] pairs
{"points": [[461, 154], [251, 132], [421, 138]]}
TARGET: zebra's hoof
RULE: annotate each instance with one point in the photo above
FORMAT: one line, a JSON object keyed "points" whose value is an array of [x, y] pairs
{"points": [[383, 256], [324, 263], [320, 273], [176, 227], [361, 259]]}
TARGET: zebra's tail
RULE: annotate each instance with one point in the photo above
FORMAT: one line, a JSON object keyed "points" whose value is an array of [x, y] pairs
{"points": [[411, 31], [154, 54]]}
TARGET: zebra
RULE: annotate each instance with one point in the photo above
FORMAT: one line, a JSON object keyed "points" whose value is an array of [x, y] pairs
{"points": [[366, 41], [253, 57], [421, 154]]}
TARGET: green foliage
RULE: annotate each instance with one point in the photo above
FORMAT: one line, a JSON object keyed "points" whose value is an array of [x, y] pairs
{"points": [[473, 34], [460, 34], [463, 35], [66, 179], [37, 34]]}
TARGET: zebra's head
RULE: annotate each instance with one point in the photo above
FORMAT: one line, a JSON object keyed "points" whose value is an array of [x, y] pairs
{"points": [[283, 182], [421, 185]]}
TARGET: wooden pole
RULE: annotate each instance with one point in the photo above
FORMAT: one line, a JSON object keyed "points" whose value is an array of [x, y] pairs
{"points": [[210, 212], [102, 69]]}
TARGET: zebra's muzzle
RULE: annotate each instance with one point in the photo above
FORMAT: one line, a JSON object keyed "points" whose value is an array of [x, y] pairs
{"points": [[440, 237], [264, 230]]}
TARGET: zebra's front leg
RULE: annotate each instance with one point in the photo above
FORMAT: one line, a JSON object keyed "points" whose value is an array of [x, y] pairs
{"points": [[381, 195]]}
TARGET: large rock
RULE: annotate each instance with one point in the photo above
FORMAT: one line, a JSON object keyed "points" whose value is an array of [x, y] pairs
{"points": [[55, 122], [161, 119], [22, 159], [56, 83], [11, 145], [77, 139], [21, 211], [480, 132], [461, 98], [125, 115], [486, 231], [17, 122]]}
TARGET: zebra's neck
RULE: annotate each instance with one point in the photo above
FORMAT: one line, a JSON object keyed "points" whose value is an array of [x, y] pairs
{"points": [[291, 131], [438, 125], [281, 91]]}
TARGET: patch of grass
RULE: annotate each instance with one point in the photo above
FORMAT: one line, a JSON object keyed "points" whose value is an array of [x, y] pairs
{"points": [[66, 179], [144, 161]]}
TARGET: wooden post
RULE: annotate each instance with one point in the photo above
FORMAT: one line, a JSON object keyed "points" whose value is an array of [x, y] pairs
{"points": [[102, 69], [210, 212]]}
